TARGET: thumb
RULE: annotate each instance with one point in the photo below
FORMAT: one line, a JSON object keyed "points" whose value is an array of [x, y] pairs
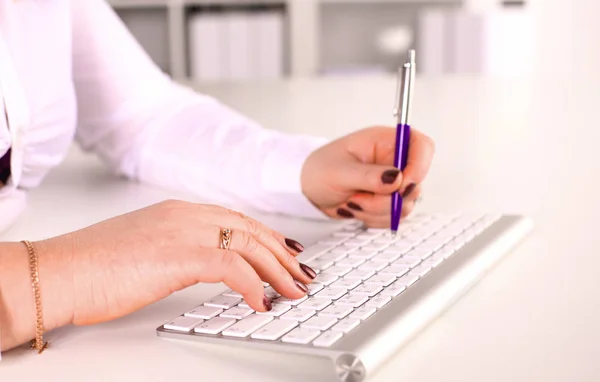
{"points": [[375, 178]]}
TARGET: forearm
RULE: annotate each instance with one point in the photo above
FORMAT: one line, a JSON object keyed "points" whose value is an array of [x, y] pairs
{"points": [[17, 303], [215, 152]]}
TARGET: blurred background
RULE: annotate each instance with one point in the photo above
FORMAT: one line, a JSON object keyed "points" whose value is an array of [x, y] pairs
{"points": [[213, 41]]}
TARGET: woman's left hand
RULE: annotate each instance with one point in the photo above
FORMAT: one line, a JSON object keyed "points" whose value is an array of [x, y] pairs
{"points": [[354, 176]]}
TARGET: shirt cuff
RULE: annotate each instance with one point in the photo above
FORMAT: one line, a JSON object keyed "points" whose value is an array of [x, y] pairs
{"points": [[281, 176]]}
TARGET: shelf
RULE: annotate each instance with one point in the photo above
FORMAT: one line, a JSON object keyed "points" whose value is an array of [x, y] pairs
{"points": [[312, 32]]}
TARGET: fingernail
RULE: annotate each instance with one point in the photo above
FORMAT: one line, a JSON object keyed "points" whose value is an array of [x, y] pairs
{"points": [[409, 190], [294, 245], [301, 286], [267, 304], [345, 213], [390, 176], [308, 271], [354, 206]]}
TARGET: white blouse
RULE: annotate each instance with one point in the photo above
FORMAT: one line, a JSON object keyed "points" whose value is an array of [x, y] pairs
{"points": [[69, 69]]}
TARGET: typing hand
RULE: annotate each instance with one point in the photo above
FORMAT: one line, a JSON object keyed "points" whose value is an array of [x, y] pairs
{"points": [[125, 263], [354, 176]]}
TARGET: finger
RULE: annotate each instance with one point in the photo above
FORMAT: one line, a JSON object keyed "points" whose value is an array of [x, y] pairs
{"points": [[266, 265], [420, 155], [229, 267], [375, 178], [380, 204], [269, 238]]}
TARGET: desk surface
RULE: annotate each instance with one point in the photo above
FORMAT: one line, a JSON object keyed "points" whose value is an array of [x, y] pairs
{"points": [[501, 146]]}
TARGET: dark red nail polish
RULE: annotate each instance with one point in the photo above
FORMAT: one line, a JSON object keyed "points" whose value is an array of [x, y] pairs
{"points": [[267, 303], [390, 176], [308, 271], [354, 206], [345, 213], [409, 190], [301, 286], [294, 245]]}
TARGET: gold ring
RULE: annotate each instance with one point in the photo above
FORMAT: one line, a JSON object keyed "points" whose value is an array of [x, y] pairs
{"points": [[225, 238]]}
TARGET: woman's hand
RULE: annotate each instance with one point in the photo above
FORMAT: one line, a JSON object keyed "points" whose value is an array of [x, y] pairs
{"points": [[354, 177], [125, 263]]}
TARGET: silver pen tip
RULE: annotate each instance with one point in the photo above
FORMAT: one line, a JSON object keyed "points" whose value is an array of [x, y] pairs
{"points": [[412, 56]]}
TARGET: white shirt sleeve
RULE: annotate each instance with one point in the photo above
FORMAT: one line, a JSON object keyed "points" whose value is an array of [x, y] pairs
{"points": [[147, 127]]}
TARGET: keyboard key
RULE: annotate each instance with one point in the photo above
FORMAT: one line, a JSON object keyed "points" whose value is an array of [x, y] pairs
{"points": [[324, 279], [277, 309], [271, 293], [341, 250], [433, 261], [331, 293], [356, 243], [299, 315], [368, 289], [363, 312], [319, 323], [301, 336], [363, 253], [183, 323], [420, 252], [395, 270], [244, 327], [333, 240], [361, 274], [353, 300], [350, 262], [407, 280], [328, 338], [232, 293], [215, 325], [315, 304], [205, 312], [394, 289], [332, 256], [287, 301], [420, 270], [447, 251], [379, 301], [373, 265], [409, 261], [315, 250], [375, 247], [320, 263], [346, 284], [402, 246], [224, 302], [336, 311], [381, 279], [314, 288], [338, 270], [346, 325], [237, 312], [388, 256], [274, 329]]}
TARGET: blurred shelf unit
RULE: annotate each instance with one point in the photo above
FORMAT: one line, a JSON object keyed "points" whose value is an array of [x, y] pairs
{"points": [[224, 40]]}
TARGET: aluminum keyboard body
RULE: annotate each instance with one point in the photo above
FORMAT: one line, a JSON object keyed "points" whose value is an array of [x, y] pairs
{"points": [[389, 296]]}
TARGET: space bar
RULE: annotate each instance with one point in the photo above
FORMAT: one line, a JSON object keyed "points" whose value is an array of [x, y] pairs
{"points": [[314, 251]]}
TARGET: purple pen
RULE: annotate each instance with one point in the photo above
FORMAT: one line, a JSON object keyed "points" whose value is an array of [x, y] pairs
{"points": [[406, 79]]}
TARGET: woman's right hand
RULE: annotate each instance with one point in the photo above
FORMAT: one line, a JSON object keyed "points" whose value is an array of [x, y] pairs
{"points": [[125, 263]]}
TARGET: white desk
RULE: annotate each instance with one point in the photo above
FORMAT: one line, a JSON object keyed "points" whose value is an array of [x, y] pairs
{"points": [[501, 147]]}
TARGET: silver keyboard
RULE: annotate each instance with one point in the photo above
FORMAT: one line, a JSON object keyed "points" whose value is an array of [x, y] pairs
{"points": [[373, 291]]}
